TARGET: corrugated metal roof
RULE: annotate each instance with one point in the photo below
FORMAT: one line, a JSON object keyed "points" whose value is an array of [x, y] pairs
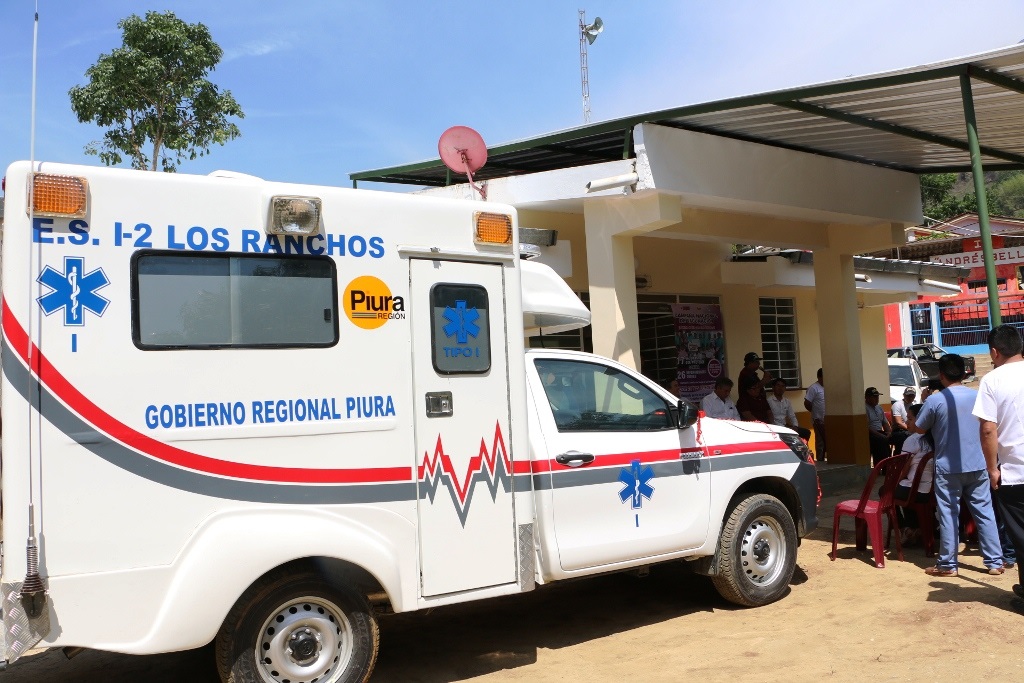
{"points": [[910, 120], [868, 263]]}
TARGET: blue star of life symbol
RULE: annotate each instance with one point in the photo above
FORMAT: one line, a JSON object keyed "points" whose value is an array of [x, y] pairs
{"points": [[74, 290], [461, 322], [636, 484]]}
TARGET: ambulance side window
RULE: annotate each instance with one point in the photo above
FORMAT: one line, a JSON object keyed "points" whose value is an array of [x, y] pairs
{"points": [[460, 329], [212, 301]]}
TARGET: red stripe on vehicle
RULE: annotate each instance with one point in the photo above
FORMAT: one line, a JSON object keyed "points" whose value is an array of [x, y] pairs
{"points": [[671, 455], [748, 447], [89, 411]]}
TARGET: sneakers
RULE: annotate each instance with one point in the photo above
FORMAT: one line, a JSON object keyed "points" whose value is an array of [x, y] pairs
{"points": [[939, 571]]}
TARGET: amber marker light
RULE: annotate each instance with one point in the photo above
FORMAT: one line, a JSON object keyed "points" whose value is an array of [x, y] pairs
{"points": [[59, 195], [493, 228]]}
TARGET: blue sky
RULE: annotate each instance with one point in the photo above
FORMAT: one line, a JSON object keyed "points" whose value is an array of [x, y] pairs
{"points": [[335, 87]]}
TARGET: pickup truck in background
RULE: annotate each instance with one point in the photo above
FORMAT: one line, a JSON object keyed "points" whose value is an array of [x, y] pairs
{"points": [[927, 356]]}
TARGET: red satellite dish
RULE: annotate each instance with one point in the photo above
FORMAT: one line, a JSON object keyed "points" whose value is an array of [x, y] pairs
{"points": [[463, 151]]}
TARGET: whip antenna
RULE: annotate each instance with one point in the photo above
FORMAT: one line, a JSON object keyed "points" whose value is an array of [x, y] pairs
{"points": [[33, 591]]}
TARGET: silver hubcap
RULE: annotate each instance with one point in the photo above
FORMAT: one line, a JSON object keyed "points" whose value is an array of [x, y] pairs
{"points": [[763, 550], [305, 640]]}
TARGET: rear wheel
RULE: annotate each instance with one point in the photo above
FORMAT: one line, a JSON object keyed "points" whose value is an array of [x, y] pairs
{"points": [[296, 628], [757, 552]]}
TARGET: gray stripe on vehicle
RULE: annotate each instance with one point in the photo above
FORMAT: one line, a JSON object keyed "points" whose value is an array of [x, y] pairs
{"points": [[720, 463], [590, 476]]}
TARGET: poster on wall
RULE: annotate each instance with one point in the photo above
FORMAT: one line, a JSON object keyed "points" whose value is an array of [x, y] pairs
{"points": [[700, 345]]}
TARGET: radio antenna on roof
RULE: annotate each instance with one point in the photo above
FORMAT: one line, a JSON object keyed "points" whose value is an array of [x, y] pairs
{"points": [[588, 34]]}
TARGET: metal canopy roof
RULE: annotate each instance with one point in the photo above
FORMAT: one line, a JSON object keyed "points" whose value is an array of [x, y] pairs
{"points": [[910, 120]]}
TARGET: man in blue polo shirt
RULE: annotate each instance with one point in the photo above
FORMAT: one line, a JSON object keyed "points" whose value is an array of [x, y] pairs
{"points": [[960, 469]]}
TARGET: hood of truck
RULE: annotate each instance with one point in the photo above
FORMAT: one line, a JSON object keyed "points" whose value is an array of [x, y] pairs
{"points": [[758, 427]]}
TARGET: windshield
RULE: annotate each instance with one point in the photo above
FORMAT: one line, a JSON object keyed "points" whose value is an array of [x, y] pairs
{"points": [[901, 375]]}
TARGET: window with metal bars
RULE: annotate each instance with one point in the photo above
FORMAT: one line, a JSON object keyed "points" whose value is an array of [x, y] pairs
{"points": [[779, 348]]}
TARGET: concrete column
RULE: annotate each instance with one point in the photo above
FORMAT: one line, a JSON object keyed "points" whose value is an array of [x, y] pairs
{"points": [[613, 316], [610, 225], [846, 422]]}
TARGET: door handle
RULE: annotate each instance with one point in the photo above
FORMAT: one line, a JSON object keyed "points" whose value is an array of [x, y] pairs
{"points": [[574, 458]]}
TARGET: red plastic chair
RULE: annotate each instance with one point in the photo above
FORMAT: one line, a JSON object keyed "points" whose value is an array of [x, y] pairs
{"points": [[868, 513], [925, 511]]}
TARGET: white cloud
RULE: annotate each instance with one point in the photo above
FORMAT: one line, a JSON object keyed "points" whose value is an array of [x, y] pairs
{"points": [[258, 48]]}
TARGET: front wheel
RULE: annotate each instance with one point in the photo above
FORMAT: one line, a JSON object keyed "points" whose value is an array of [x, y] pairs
{"points": [[757, 552], [296, 628]]}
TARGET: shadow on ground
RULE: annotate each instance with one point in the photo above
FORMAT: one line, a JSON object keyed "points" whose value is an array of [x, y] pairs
{"points": [[445, 644], [473, 639]]}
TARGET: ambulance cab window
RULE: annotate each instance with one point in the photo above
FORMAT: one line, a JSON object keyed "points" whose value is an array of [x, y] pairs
{"points": [[590, 397], [209, 301], [460, 329]]}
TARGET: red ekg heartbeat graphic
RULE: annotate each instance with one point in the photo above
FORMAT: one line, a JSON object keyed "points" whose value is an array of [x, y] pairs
{"points": [[484, 460]]}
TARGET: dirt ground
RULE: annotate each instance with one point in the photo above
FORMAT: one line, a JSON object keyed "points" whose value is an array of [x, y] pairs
{"points": [[842, 621]]}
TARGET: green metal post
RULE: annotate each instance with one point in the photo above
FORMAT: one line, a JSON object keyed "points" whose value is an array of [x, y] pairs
{"points": [[979, 190]]}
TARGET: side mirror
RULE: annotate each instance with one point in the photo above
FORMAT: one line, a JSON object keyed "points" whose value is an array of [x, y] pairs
{"points": [[687, 414]]}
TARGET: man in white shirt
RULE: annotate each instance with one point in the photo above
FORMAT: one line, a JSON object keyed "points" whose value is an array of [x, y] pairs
{"points": [[814, 402], [899, 419], [782, 409], [718, 404], [1000, 409]]}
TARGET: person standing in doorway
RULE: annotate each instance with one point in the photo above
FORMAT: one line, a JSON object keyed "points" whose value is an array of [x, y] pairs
{"points": [[960, 469], [1000, 409], [814, 402]]}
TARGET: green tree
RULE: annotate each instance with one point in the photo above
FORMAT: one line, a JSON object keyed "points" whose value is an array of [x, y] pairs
{"points": [[1007, 196], [153, 95], [940, 200]]}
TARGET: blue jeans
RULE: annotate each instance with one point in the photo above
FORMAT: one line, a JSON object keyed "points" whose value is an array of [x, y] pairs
{"points": [[973, 488]]}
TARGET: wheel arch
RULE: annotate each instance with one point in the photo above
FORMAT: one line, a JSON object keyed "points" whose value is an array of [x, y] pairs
{"points": [[232, 552], [777, 487]]}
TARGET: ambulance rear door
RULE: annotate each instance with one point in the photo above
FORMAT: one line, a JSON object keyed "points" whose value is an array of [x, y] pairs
{"points": [[461, 406]]}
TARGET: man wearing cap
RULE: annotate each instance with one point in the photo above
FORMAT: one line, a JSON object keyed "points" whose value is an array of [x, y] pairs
{"points": [[899, 419], [782, 409], [748, 375], [878, 427]]}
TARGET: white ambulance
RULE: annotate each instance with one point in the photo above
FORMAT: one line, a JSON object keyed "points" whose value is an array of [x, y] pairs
{"points": [[264, 413]]}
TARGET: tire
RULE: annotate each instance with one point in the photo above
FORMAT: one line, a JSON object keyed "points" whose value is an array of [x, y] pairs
{"points": [[757, 552], [302, 628]]}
